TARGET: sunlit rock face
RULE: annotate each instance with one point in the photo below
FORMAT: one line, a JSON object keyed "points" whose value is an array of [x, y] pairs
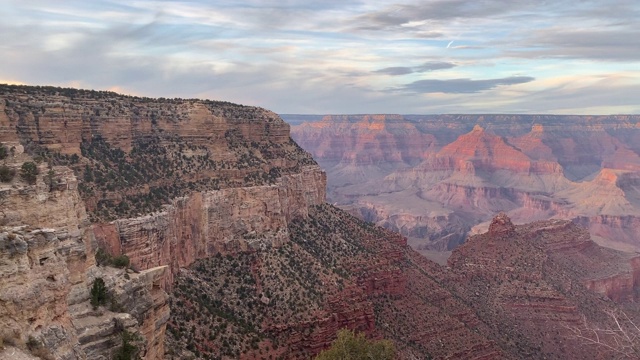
{"points": [[463, 169]]}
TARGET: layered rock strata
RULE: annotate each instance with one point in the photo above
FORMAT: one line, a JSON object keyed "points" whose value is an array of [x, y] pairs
{"points": [[223, 221], [465, 168], [165, 182]]}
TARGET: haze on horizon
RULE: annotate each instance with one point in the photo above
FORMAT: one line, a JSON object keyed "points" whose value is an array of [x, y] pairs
{"points": [[420, 57]]}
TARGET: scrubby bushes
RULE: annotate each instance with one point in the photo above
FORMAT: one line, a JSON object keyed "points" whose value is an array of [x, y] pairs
{"points": [[353, 346], [128, 350], [103, 258], [6, 173], [29, 172], [4, 152]]}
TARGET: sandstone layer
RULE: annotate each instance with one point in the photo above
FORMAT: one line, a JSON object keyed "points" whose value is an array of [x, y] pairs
{"points": [[224, 221]]}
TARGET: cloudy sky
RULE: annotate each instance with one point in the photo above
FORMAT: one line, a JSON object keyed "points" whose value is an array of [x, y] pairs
{"points": [[346, 56]]}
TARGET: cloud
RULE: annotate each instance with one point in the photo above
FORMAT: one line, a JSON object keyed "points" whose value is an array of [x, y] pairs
{"points": [[333, 56], [462, 86], [428, 66], [394, 16], [396, 70], [609, 44], [434, 65]]}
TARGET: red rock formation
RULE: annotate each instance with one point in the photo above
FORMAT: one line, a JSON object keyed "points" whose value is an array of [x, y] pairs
{"points": [[501, 226], [532, 167]]}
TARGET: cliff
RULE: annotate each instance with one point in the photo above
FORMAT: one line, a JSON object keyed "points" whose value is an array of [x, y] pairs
{"points": [[206, 223], [47, 268], [501, 295], [194, 177], [163, 181], [339, 272], [216, 204]]}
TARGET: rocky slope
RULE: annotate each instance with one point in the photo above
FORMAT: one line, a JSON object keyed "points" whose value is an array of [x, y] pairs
{"points": [[536, 281], [514, 292], [451, 173]]}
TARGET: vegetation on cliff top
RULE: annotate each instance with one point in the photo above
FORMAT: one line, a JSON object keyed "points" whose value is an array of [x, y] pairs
{"points": [[156, 162]]}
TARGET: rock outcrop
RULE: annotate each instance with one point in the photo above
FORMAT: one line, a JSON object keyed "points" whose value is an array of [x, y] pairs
{"points": [[47, 268], [545, 278]]}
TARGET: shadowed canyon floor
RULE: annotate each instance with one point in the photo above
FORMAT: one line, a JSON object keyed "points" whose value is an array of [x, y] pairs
{"points": [[436, 179]]}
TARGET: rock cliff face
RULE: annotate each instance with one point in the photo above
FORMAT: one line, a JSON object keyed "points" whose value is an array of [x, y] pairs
{"points": [[465, 168], [514, 292], [194, 177], [47, 267], [224, 221], [340, 273], [165, 182]]}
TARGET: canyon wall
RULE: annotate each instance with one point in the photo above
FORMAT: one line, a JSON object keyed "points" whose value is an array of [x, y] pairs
{"points": [[214, 202], [163, 181]]}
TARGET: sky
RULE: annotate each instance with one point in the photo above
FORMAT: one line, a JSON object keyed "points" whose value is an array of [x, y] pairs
{"points": [[336, 57]]}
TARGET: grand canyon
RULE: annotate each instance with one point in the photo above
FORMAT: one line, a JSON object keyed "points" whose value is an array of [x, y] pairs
{"points": [[233, 251], [438, 179]]}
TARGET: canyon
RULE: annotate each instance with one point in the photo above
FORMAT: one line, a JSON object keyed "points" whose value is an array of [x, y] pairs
{"points": [[233, 251], [438, 179]]}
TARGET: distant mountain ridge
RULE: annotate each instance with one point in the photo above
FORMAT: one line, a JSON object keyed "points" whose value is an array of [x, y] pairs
{"points": [[435, 177]]}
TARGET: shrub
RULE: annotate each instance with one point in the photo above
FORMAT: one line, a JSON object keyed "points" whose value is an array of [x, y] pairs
{"points": [[32, 343], [98, 293], [121, 261], [29, 172], [348, 345], [103, 258], [128, 350], [3, 152], [6, 173], [50, 180]]}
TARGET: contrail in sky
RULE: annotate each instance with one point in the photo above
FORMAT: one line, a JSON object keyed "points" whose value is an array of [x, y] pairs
{"points": [[449, 44]]}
